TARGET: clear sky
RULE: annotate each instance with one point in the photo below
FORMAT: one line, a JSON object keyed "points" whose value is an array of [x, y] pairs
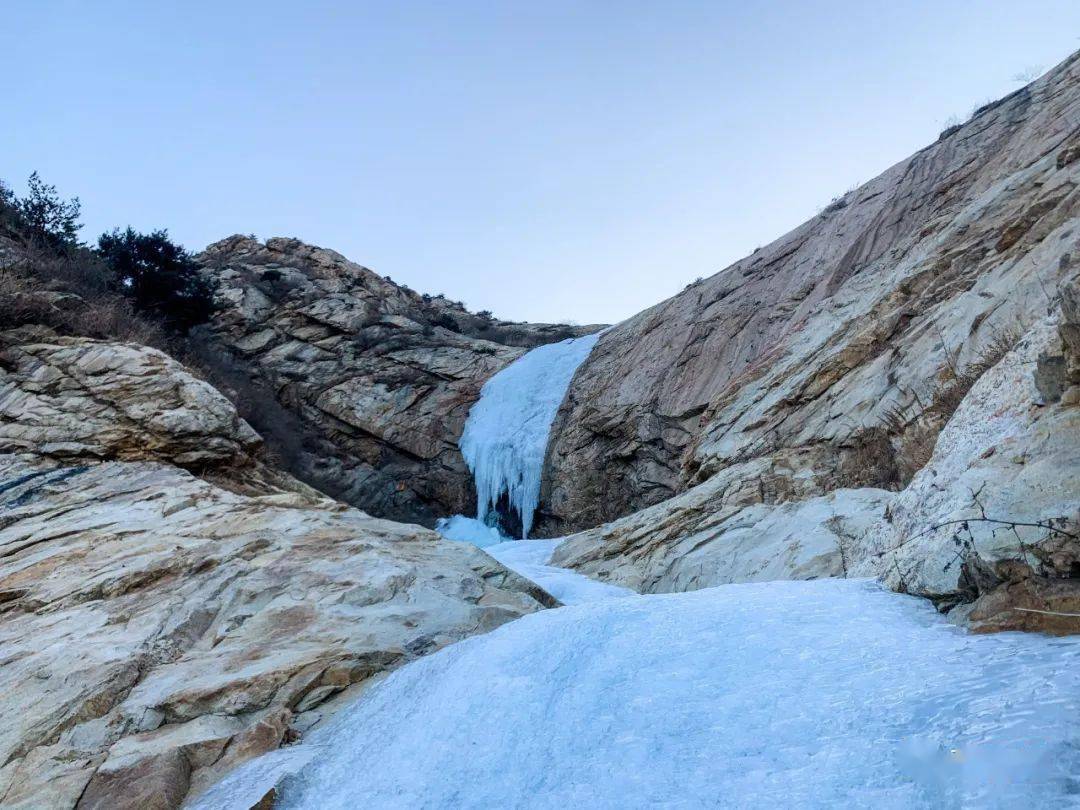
{"points": [[546, 160]]}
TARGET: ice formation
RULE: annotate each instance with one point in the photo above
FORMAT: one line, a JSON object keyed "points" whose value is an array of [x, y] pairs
{"points": [[812, 694], [469, 530], [530, 559], [506, 434]]}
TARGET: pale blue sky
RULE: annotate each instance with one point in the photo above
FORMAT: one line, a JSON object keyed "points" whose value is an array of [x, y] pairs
{"points": [[544, 160]]}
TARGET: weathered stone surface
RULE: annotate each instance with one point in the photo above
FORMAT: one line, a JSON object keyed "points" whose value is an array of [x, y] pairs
{"points": [[826, 333], [139, 600], [854, 352], [989, 528], [362, 386], [77, 398], [158, 628], [735, 527], [995, 515], [1069, 329]]}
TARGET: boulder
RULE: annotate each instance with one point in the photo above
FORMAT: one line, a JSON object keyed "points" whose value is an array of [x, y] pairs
{"points": [[158, 630], [72, 398], [735, 527]]}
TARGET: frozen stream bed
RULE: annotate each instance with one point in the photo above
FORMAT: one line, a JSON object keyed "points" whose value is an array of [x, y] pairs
{"points": [[830, 693], [529, 558]]}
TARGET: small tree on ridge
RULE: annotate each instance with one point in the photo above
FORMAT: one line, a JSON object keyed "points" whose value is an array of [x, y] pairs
{"points": [[159, 276]]}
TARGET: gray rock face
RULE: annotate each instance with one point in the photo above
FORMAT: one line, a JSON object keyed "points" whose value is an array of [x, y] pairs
{"points": [[989, 528], [994, 516], [839, 332], [735, 527], [158, 628], [362, 386], [78, 398]]}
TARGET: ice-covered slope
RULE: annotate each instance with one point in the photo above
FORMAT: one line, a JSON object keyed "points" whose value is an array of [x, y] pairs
{"points": [[832, 693], [506, 434], [532, 559]]}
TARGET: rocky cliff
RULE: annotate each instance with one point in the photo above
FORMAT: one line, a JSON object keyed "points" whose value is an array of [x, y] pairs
{"points": [[890, 391], [170, 606], [839, 340], [988, 528], [362, 385]]}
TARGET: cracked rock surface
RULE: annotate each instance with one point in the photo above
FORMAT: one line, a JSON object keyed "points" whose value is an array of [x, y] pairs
{"points": [[989, 528], [890, 390], [74, 397]]}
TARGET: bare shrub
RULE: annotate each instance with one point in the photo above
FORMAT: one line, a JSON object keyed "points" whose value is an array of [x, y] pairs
{"points": [[1028, 74], [870, 461], [890, 454], [916, 447], [951, 391], [66, 294]]}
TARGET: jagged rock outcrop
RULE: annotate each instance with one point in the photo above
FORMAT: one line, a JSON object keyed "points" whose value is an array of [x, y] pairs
{"points": [[159, 628], [992, 522], [728, 530], [840, 334], [363, 386], [767, 518]]}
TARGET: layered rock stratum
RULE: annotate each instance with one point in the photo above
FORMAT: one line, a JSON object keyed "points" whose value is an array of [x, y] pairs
{"points": [[836, 336], [170, 606], [988, 528]]}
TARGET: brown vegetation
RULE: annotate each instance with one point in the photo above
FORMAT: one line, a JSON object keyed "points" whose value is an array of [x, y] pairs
{"points": [[67, 292], [889, 455]]}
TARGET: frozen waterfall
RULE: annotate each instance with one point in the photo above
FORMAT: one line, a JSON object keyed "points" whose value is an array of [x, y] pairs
{"points": [[506, 434]]}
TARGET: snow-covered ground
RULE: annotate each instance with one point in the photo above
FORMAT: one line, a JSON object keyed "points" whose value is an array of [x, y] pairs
{"points": [[530, 559], [506, 434], [827, 693]]}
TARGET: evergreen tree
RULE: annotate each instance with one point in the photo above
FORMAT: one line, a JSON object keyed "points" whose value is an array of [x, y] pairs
{"points": [[159, 276], [46, 219]]}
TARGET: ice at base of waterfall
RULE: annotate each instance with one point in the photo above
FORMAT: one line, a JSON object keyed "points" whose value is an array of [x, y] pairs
{"points": [[506, 434], [530, 559], [469, 530], [819, 694]]}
